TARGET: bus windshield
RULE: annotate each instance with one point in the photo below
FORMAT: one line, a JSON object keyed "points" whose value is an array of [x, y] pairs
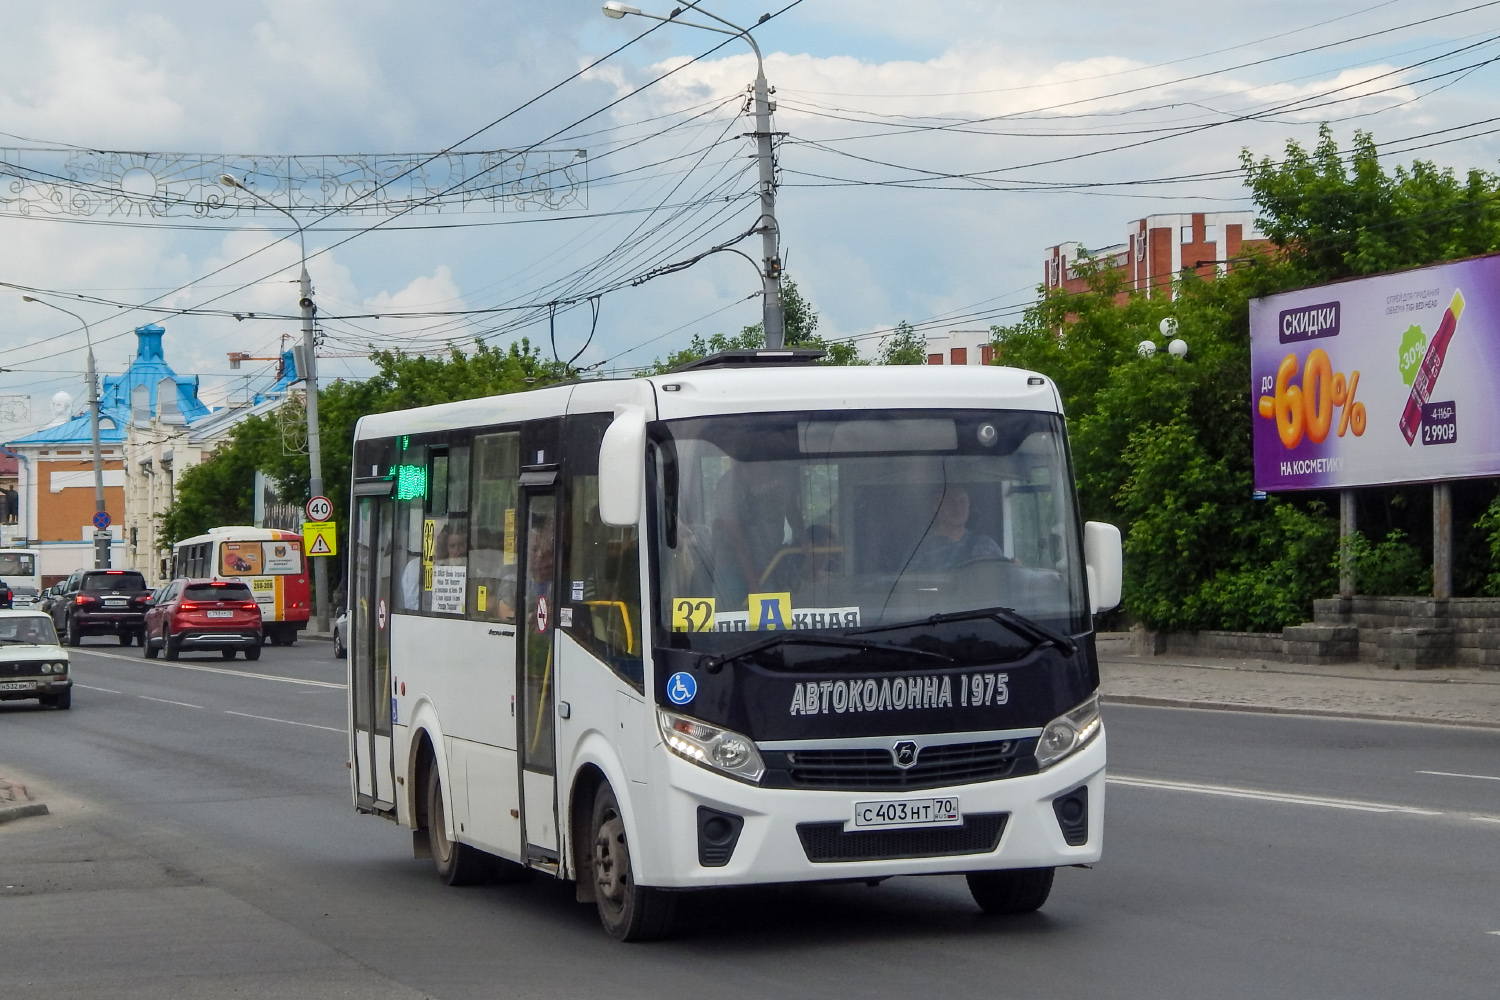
{"points": [[841, 520]]}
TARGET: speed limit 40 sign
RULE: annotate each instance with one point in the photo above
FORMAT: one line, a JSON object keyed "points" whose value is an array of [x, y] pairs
{"points": [[320, 509]]}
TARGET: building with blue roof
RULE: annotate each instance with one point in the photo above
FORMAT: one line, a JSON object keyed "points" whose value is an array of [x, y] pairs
{"points": [[152, 426]]}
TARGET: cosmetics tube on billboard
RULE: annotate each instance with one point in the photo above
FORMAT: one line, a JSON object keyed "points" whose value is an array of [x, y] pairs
{"points": [[1432, 365]]}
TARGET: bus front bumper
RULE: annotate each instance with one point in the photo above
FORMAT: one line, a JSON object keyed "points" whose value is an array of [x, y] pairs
{"points": [[784, 829]]}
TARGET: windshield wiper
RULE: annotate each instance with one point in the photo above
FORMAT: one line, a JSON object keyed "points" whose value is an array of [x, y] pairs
{"points": [[23, 642], [1038, 633], [713, 664]]}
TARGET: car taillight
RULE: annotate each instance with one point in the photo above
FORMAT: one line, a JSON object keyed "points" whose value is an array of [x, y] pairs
{"points": [[249, 606], [187, 606], [84, 599]]}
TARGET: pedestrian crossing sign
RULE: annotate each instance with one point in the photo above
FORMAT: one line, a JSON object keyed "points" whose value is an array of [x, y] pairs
{"points": [[319, 538]]}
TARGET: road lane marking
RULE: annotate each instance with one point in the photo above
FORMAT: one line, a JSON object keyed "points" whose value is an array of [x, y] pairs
{"points": [[1290, 798], [90, 687], [1453, 774], [289, 722], [168, 701], [218, 670]]}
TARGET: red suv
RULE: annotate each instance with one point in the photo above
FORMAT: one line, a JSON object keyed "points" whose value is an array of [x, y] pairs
{"points": [[203, 614]]}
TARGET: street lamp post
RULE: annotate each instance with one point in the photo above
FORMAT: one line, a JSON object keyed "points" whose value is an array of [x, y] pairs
{"points": [[101, 535], [770, 233], [310, 378]]}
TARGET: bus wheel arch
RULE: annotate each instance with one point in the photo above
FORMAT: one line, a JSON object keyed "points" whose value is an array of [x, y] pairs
{"points": [[580, 833], [421, 759]]}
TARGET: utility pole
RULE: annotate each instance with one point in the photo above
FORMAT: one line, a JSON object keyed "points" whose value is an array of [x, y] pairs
{"points": [[314, 448], [772, 318], [770, 234], [310, 383], [102, 536]]}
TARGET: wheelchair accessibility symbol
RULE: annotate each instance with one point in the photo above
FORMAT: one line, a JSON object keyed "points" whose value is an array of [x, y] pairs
{"points": [[681, 688]]}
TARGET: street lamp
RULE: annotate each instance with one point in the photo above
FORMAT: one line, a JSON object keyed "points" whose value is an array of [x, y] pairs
{"points": [[771, 315], [101, 535], [310, 378]]}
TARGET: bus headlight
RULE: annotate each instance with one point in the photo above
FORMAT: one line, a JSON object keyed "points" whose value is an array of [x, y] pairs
{"points": [[714, 748], [1069, 732]]}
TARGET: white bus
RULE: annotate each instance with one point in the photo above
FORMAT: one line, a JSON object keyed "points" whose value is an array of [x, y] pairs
{"points": [[754, 621], [267, 560], [20, 570]]}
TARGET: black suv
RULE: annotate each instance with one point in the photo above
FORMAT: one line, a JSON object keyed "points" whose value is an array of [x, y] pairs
{"points": [[102, 602]]}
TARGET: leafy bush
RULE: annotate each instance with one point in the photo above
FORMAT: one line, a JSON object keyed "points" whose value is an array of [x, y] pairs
{"points": [[1390, 567]]}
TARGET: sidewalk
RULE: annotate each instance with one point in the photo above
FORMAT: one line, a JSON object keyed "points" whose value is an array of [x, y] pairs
{"points": [[1464, 697]]}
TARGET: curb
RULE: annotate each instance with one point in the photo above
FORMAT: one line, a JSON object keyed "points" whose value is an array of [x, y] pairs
{"points": [[1145, 701], [9, 813]]}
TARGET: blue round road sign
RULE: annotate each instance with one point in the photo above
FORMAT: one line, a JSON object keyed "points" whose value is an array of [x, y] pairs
{"points": [[101, 519], [681, 688]]}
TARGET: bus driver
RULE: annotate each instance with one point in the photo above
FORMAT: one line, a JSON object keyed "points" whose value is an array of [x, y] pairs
{"points": [[949, 543]]}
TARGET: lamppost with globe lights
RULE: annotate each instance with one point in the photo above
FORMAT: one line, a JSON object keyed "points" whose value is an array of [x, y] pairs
{"points": [[101, 535], [1176, 346], [771, 312], [309, 360]]}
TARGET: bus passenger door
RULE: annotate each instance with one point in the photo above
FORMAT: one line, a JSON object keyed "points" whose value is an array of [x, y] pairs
{"points": [[370, 655], [537, 623]]}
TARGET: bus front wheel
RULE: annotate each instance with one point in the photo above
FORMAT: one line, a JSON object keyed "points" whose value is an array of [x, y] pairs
{"points": [[1022, 890], [628, 911], [457, 864]]}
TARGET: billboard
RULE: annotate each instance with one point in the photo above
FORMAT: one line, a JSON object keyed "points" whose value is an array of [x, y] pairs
{"points": [[1387, 379]]}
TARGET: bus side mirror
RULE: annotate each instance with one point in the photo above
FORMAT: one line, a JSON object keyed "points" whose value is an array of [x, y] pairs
{"points": [[622, 467], [1105, 561]]}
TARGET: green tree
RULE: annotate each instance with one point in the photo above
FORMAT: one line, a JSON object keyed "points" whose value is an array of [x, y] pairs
{"points": [[1334, 215], [905, 346], [220, 490], [1162, 446], [800, 321]]}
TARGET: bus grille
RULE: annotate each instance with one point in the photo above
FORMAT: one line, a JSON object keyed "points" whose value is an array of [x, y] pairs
{"points": [[828, 842], [873, 770]]}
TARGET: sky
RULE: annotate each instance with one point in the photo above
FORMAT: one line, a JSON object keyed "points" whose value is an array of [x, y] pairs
{"points": [[879, 106]]}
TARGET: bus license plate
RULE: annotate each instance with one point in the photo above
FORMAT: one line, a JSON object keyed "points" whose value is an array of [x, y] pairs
{"points": [[221, 614], [907, 812], [17, 685]]}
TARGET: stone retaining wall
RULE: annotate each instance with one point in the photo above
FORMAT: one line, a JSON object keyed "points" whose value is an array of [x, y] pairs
{"points": [[1399, 632]]}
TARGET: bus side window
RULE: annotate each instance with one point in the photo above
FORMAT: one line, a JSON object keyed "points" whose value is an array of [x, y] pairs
{"points": [[411, 506], [496, 474], [602, 583], [445, 565]]}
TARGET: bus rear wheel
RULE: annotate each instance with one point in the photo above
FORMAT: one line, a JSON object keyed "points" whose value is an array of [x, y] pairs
{"points": [[1022, 890], [457, 864], [629, 912]]}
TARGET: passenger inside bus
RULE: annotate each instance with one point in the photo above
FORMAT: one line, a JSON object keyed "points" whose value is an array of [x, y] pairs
{"points": [[759, 514], [452, 548], [541, 541]]}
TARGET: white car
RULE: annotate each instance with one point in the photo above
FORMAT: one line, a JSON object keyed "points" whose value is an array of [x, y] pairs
{"points": [[341, 635], [32, 663]]}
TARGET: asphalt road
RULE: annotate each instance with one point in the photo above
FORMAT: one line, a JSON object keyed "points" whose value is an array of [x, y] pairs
{"points": [[203, 844]]}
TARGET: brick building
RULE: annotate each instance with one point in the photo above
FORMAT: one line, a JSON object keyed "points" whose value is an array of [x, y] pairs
{"points": [[1158, 248]]}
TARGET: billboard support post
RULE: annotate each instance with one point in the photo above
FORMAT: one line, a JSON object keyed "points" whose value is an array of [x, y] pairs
{"points": [[1347, 526], [1442, 541]]}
